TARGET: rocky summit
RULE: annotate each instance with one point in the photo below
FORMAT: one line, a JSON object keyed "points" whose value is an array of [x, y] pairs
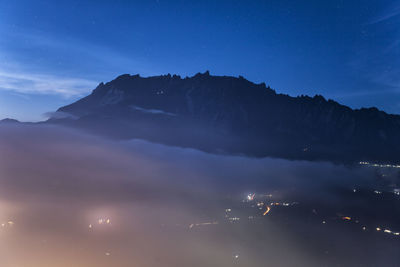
{"points": [[231, 115]]}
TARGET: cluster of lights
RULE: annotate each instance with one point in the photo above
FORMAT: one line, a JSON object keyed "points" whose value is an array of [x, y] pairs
{"points": [[378, 165], [395, 191], [266, 195], [364, 228], [227, 211], [378, 229], [250, 197], [285, 204], [233, 219], [261, 205], [202, 224], [101, 221], [230, 219], [7, 224], [104, 221]]}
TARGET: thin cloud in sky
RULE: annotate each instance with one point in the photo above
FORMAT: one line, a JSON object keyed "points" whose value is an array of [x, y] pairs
{"points": [[27, 83], [393, 12], [32, 75], [74, 54]]}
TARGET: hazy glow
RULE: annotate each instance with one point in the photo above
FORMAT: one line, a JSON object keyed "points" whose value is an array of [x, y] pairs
{"points": [[68, 199]]}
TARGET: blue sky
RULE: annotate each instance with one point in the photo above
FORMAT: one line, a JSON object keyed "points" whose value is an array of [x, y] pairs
{"points": [[54, 52]]}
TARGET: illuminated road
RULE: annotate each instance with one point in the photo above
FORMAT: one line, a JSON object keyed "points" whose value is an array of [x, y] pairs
{"points": [[267, 211]]}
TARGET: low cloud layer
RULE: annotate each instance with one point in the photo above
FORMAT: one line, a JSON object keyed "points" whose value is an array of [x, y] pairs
{"points": [[78, 200]]}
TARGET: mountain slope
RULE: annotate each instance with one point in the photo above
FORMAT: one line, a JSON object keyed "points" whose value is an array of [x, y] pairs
{"points": [[235, 116]]}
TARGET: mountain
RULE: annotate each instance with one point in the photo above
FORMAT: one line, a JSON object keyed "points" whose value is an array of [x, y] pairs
{"points": [[222, 114], [8, 121]]}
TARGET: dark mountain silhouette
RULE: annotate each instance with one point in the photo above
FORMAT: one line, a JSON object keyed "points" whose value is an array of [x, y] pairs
{"points": [[8, 121], [222, 114]]}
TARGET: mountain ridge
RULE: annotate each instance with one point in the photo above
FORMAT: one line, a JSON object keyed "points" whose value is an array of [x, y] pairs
{"points": [[236, 116]]}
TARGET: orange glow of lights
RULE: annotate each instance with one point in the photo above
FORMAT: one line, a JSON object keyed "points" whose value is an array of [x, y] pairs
{"points": [[267, 211]]}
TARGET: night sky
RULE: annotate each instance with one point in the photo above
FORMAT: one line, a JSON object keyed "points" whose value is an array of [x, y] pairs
{"points": [[54, 52]]}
